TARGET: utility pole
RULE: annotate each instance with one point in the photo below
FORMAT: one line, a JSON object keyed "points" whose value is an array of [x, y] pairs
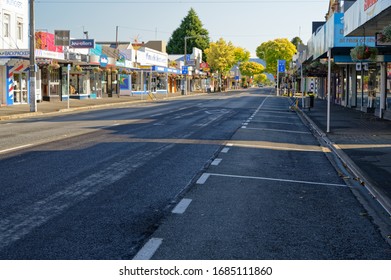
{"points": [[116, 37], [33, 97]]}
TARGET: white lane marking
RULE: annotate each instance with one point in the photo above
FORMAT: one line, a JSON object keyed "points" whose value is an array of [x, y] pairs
{"points": [[225, 150], [156, 115], [182, 206], [276, 112], [272, 122], [230, 145], [203, 179], [244, 126], [217, 161], [278, 180], [280, 130], [246, 123], [149, 249], [15, 148]]}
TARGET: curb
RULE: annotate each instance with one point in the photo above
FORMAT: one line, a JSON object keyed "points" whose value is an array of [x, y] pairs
{"points": [[377, 194]]}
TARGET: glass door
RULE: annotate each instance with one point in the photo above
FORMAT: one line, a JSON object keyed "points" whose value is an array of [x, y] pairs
{"points": [[20, 88]]}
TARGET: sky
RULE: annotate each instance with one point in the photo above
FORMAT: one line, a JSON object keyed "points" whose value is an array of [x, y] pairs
{"points": [[246, 24]]}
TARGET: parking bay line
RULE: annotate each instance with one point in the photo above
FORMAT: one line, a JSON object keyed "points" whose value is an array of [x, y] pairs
{"points": [[281, 130], [149, 249], [206, 176], [182, 206], [217, 161]]}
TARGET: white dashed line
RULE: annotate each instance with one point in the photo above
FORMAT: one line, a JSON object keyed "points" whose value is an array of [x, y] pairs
{"points": [[203, 179], [182, 206], [149, 249], [216, 162], [225, 150]]}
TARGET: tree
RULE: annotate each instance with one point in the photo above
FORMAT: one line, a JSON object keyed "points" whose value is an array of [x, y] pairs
{"points": [[241, 55], [191, 26], [297, 41], [272, 51], [260, 78], [251, 68], [221, 56]]}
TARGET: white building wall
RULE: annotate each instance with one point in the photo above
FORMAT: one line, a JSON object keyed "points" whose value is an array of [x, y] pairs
{"points": [[14, 30], [16, 14]]}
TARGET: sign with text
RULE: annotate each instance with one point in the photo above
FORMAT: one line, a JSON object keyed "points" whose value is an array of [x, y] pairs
{"points": [[281, 66], [61, 37], [14, 53], [82, 43]]}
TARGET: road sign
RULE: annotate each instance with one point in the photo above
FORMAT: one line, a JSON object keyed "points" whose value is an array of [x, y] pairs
{"points": [[281, 66], [185, 70]]}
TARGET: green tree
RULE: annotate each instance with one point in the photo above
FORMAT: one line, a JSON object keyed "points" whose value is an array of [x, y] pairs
{"points": [[191, 26], [260, 78], [297, 41], [272, 51], [221, 56], [250, 68], [241, 55]]}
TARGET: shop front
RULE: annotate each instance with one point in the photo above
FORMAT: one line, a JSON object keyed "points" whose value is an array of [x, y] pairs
{"points": [[373, 82], [17, 82], [49, 59], [104, 80]]}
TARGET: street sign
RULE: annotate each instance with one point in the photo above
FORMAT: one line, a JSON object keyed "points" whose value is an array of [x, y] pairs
{"points": [[185, 70], [281, 66], [61, 37]]}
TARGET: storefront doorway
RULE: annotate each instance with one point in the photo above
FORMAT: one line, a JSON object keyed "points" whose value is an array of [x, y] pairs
{"points": [[20, 88], [368, 87]]}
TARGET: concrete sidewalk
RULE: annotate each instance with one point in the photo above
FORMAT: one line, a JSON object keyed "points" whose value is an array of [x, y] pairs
{"points": [[362, 141]]}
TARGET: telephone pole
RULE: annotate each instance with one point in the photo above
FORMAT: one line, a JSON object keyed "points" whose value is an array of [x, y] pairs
{"points": [[33, 97]]}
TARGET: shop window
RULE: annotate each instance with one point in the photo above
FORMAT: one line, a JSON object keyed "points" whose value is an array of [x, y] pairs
{"points": [[161, 83], [388, 85]]}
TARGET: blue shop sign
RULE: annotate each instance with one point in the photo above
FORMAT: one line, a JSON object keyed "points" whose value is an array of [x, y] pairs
{"points": [[82, 43], [103, 60], [159, 69]]}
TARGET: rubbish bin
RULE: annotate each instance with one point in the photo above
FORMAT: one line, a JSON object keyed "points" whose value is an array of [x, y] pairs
{"points": [[306, 102], [312, 101]]}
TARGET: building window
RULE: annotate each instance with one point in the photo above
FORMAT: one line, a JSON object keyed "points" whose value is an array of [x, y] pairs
{"points": [[20, 29], [6, 25]]}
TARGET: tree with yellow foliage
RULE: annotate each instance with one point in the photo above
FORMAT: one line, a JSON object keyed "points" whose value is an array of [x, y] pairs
{"points": [[272, 51]]}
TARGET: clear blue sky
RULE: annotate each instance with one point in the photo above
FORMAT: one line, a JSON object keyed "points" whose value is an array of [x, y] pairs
{"points": [[246, 24]]}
